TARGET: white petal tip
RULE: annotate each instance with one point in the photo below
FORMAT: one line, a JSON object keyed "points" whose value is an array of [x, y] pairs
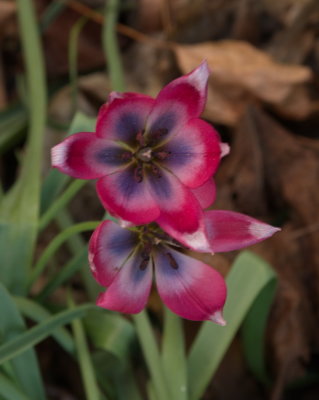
{"points": [[225, 149], [58, 154], [115, 95], [262, 231], [218, 318], [199, 76], [124, 224]]}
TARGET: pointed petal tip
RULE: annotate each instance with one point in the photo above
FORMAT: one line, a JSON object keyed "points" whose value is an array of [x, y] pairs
{"points": [[217, 318], [262, 231], [225, 149], [201, 74]]}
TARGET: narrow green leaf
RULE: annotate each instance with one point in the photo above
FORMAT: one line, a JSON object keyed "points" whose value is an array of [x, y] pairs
{"points": [[110, 332], [110, 43], [84, 358], [253, 332], [38, 313], [151, 355], [9, 391], [56, 243], [115, 335], [76, 263], [12, 123], [39, 332], [61, 202], [24, 367], [20, 207], [173, 356], [248, 276]]}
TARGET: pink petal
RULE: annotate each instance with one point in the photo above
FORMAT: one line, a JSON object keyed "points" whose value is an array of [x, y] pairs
{"points": [[127, 198], [109, 247], [206, 193], [196, 241], [178, 206], [189, 90], [193, 153], [229, 230], [130, 288], [189, 287], [178, 102], [84, 156], [124, 116]]}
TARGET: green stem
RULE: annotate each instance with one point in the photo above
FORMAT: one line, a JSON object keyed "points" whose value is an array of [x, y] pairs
{"points": [[84, 358], [62, 201], [111, 47], [151, 355], [173, 355], [56, 243]]}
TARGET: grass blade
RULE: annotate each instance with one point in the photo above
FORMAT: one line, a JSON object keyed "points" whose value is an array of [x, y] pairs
{"points": [[8, 390], [20, 207], [37, 313], [26, 340], [25, 368], [84, 358]]}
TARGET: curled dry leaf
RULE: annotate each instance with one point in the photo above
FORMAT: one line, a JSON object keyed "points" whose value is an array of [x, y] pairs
{"points": [[242, 73]]}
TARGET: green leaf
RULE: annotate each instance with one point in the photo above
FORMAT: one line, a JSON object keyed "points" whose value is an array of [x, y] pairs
{"points": [[152, 356], [26, 340], [247, 278], [56, 243], [12, 123], [76, 263], [25, 367], [110, 332], [85, 361], [116, 336], [253, 331], [20, 207], [173, 356], [38, 313], [9, 391]]}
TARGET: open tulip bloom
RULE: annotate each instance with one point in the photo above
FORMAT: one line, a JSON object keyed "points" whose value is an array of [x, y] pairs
{"points": [[154, 160], [124, 260]]}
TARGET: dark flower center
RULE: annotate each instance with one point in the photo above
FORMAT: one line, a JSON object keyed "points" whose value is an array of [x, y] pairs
{"points": [[152, 238]]}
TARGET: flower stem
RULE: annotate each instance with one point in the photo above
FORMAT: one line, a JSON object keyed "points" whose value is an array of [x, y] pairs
{"points": [[151, 355], [173, 355]]}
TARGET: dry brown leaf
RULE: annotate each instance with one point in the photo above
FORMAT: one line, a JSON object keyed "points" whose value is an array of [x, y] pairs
{"points": [[241, 72]]}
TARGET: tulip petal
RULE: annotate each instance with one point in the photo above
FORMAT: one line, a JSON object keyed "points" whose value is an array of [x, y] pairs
{"points": [[130, 288], [206, 193], [229, 230], [193, 153], [175, 201], [124, 196], [189, 287], [85, 156], [189, 90], [123, 116], [179, 101], [109, 248]]}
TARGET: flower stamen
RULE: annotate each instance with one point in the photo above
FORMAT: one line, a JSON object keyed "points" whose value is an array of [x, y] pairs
{"points": [[172, 261], [138, 173]]}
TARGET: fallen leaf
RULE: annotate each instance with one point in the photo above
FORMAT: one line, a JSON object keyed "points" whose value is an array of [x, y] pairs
{"points": [[241, 74]]}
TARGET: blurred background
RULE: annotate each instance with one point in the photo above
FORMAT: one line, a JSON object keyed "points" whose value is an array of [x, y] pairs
{"points": [[263, 99]]}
